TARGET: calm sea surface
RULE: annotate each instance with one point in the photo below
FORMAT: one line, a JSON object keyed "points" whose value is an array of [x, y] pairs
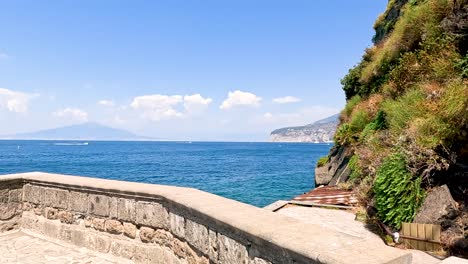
{"points": [[254, 173]]}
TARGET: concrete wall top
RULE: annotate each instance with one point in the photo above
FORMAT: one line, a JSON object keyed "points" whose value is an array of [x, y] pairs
{"points": [[256, 225]]}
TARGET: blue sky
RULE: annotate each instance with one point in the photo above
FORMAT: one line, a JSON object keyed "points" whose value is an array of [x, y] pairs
{"points": [[198, 70]]}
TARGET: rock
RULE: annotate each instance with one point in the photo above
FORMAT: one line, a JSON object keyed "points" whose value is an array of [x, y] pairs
{"points": [[129, 230], [98, 224], [146, 234], [163, 238], [322, 177], [51, 213], [114, 227], [437, 208], [65, 217], [335, 170], [10, 210]]}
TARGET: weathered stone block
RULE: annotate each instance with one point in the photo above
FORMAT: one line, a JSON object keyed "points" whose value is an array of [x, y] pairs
{"points": [[32, 222], [65, 217], [65, 233], [184, 251], [152, 214], [130, 230], [78, 237], [98, 242], [141, 254], [197, 236], [146, 234], [33, 194], [123, 249], [52, 229], [126, 209], [230, 251], [78, 202], [114, 227], [99, 205], [177, 225], [156, 255], [15, 195], [113, 207], [163, 238], [56, 198], [98, 224], [213, 245], [9, 210], [51, 213], [4, 196]]}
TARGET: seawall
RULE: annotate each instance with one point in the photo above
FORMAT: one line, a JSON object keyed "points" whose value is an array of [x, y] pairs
{"points": [[150, 223]]}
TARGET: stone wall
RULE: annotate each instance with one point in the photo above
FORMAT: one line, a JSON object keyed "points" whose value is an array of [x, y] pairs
{"points": [[160, 224]]}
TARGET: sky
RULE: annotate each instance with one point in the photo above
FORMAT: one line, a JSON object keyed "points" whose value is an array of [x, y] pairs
{"points": [[178, 70]]}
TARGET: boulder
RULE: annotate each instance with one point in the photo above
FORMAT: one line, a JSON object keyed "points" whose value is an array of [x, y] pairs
{"points": [[322, 177], [335, 170], [438, 207]]}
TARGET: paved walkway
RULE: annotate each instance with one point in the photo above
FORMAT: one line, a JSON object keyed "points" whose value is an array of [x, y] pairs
{"points": [[343, 221], [19, 247]]}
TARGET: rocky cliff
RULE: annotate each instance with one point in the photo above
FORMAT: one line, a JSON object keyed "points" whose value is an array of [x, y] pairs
{"points": [[321, 131], [402, 141]]}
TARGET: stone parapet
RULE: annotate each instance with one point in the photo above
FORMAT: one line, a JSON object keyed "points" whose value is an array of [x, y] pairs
{"points": [[150, 223]]}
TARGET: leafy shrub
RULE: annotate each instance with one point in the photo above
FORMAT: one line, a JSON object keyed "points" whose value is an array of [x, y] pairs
{"points": [[400, 112], [358, 122], [378, 123], [343, 134], [462, 65], [350, 104], [356, 171], [322, 161], [398, 194]]}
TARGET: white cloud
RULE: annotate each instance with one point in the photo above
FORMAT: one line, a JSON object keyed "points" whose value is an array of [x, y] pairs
{"points": [[239, 98], [4, 56], [268, 116], [157, 107], [14, 101], [195, 103], [286, 100], [106, 102], [74, 114]]}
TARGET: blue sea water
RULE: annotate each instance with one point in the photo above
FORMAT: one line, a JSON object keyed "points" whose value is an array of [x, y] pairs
{"points": [[254, 173]]}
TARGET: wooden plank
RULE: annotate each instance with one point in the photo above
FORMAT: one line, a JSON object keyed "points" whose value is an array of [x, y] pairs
{"points": [[422, 235], [429, 236], [414, 233], [436, 237], [405, 230]]}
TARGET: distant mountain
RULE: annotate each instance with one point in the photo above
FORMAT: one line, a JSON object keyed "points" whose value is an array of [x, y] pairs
{"points": [[321, 131], [85, 131]]}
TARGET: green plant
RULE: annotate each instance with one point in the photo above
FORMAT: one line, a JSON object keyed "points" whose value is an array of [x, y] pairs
{"points": [[350, 104], [356, 171], [359, 120], [462, 65], [406, 108], [398, 194], [322, 161]]}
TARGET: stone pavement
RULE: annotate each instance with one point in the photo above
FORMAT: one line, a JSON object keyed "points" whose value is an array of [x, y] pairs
{"points": [[343, 221], [19, 247]]}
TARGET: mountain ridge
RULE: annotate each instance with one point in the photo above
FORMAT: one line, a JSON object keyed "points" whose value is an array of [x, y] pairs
{"points": [[321, 131], [83, 131]]}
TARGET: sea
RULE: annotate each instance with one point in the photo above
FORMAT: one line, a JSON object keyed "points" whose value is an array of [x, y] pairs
{"points": [[253, 173]]}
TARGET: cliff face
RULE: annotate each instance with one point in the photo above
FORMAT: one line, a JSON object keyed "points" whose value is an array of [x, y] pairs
{"points": [[404, 129], [321, 131]]}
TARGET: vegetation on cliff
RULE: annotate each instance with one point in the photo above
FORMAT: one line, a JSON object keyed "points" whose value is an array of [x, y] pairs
{"points": [[406, 117]]}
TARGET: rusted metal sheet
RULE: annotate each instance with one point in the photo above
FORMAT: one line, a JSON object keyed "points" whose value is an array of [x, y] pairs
{"points": [[328, 195]]}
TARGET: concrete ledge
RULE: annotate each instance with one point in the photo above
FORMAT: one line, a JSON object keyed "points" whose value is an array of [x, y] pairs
{"points": [[215, 228]]}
